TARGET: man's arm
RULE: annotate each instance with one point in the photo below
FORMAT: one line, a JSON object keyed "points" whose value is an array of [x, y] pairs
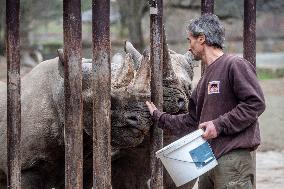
{"points": [[175, 124], [242, 77]]}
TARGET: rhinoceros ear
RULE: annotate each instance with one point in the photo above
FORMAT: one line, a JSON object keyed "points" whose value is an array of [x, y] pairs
{"points": [[141, 81], [123, 75], [61, 62], [128, 48]]}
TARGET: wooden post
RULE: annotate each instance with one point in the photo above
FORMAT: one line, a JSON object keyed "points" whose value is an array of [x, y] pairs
{"points": [[73, 94], [207, 7], [156, 58], [13, 94], [101, 90], [249, 45]]}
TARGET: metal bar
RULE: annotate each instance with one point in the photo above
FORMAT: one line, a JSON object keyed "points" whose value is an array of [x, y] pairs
{"points": [[13, 94], [156, 58], [207, 6], [101, 90], [249, 42], [249, 45], [72, 29]]}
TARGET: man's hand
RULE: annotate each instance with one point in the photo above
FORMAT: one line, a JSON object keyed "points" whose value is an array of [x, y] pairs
{"points": [[209, 130], [151, 106]]}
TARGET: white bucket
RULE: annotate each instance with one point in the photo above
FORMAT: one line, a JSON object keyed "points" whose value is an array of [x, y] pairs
{"points": [[187, 158]]}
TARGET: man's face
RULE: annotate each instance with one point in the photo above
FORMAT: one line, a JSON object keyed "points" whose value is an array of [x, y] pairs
{"points": [[195, 46]]}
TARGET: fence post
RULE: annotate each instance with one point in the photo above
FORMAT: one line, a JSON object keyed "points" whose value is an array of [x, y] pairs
{"points": [[156, 58], [13, 94], [101, 90], [249, 46], [207, 6], [73, 127]]}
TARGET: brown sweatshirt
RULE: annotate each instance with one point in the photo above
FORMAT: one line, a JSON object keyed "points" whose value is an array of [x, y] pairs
{"points": [[229, 95]]}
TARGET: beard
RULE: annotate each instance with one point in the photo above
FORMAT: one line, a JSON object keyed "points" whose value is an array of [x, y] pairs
{"points": [[196, 56]]}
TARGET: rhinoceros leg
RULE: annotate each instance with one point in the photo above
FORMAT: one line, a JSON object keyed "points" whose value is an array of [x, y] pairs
{"points": [[3, 181], [31, 179]]}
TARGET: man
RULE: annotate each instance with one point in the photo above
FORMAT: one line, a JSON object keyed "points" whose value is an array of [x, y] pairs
{"points": [[226, 104]]}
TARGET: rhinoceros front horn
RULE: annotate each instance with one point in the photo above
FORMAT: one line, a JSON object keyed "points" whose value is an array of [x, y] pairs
{"points": [[128, 48], [141, 81], [124, 74], [168, 71]]}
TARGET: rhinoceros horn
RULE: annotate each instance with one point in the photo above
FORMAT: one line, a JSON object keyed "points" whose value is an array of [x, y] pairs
{"points": [[141, 81], [128, 48], [168, 72], [124, 74]]}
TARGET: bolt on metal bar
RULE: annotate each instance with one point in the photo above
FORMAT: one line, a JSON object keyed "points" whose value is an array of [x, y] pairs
{"points": [[207, 7], [101, 89], [13, 94], [73, 127], [156, 58], [249, 46]]}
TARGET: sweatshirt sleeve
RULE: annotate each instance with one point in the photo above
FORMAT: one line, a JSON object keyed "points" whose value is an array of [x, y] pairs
{"points": [[178, 124], [251, 103]]}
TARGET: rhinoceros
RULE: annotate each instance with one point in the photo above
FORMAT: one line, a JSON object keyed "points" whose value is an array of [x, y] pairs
{"points": [[132, 169], [42, 119]]}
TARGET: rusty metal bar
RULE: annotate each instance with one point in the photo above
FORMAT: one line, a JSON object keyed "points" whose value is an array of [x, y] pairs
{"points": [[249, 42], [101, 91], [13, 94], [249, 46], [207, 6], [156, 58], [72, 29]]}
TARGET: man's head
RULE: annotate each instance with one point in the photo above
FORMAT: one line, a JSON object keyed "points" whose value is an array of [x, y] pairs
{"points": [[205, 30]]}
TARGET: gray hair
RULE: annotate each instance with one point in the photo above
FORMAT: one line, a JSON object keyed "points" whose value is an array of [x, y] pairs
{"points": [[211, 27]]}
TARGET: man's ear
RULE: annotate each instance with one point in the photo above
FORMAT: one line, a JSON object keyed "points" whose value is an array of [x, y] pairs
{"points": [[201, 39]]}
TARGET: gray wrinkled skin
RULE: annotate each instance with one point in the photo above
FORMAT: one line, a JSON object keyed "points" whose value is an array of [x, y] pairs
{"points": [[42, 118], [131, 170]]}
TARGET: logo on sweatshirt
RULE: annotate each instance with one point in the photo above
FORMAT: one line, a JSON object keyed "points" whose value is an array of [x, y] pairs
{"points": [[213, 87]]}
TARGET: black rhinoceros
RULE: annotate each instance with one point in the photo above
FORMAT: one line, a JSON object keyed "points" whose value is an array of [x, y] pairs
{"points": [[42, 119], [132, 169]]}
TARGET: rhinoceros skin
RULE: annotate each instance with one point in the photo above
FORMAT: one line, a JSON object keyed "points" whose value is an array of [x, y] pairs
{"points": [[42, 144], [132, 169]]}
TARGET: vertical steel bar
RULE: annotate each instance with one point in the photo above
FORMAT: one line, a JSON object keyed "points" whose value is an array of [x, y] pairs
{"points": [[13, 94], [249, 46], [156, 58], [101, 91], [72, 29], [249, 42], [207, 6]]}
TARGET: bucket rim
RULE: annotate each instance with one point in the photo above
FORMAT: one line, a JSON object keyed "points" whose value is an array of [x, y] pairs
{"points": [[180, 142]]}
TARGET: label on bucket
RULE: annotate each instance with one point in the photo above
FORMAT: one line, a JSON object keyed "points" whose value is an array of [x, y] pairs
{"points": [[202, 155]]}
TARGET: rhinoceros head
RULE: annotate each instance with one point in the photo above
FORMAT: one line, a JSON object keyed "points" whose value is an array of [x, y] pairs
{"points": [[131, 88]]}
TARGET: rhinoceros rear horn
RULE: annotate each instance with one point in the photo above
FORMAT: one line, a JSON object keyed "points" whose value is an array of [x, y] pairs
{"points": [[129, 48]]}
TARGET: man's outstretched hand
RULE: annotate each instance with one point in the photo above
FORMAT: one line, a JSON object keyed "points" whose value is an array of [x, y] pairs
{"points": [[151, 106]]}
